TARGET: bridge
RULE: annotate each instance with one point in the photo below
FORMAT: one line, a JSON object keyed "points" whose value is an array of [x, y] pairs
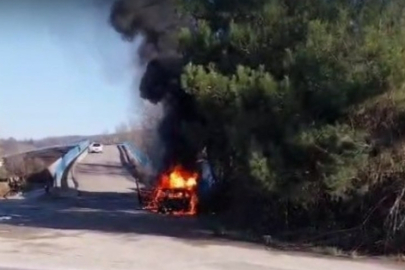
{"points": [[100, 225]]}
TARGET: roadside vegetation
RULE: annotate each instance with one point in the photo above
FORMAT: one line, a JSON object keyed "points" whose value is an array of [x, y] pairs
{"points": [[304, 103], [4, 188], [20, 173]]}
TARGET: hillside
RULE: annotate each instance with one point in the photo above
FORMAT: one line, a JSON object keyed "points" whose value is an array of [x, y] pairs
{"points": [[11, 145]]}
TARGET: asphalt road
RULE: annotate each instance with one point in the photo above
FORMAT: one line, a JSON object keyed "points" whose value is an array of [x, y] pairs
{"points": [[104, 229]]}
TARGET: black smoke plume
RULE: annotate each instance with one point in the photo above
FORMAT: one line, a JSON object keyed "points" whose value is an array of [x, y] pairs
{"points": [[157, 21]]}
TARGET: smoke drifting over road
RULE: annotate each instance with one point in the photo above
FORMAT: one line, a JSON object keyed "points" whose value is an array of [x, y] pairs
{"points": [[157, 21]]}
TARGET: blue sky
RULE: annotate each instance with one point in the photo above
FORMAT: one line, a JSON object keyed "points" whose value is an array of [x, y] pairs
{"points": [[63, 70]]}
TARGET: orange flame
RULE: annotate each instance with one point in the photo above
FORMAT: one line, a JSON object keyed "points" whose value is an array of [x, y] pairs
{"points": [[178, 184], [179, 178]]}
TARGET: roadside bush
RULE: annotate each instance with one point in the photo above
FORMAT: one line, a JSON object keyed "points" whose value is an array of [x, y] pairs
{"points": [[296, 127]]}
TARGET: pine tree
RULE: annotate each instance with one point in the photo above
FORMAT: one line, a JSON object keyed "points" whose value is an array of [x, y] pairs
{"points": [[276, 81]]}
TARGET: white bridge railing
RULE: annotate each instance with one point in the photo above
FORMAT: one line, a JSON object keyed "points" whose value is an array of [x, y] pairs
{"points": [[59, 167]]}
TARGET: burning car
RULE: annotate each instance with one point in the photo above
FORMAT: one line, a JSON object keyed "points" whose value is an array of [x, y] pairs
{"points": [[174, 193], [177, 191]]}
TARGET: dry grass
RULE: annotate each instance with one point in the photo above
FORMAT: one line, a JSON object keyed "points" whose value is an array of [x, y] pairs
{"points": [[4, 189]]}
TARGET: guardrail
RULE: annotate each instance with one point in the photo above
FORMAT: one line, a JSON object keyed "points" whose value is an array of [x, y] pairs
{"points": [[58, 168], [139, 157]]}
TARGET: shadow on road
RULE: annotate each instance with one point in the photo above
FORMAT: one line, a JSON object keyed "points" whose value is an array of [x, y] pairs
{"points": [[102, 212], [110, 212]]}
